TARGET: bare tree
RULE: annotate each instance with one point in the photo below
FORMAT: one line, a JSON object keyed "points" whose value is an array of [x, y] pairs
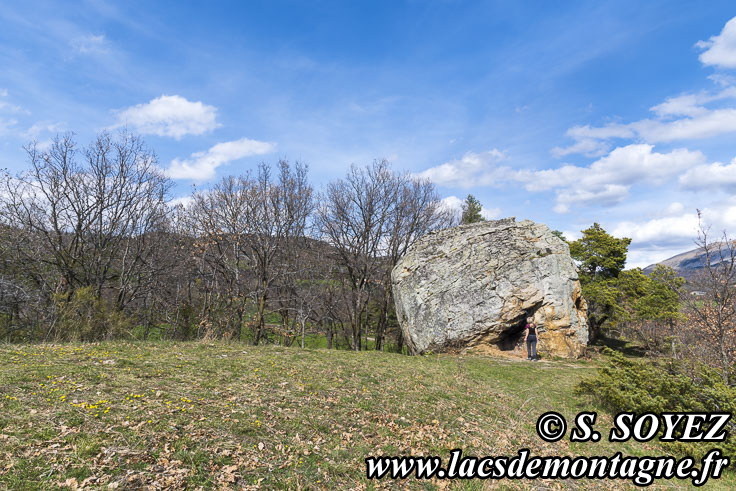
{"points": [[417, 212], [244, 226], [220, 224], [371, 218], [278, 213], [93, 221], [713, 315], [170, 305], [353, 217]]}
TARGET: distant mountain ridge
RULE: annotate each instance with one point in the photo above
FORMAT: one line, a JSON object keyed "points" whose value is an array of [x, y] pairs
{"points": [[687, 264]]}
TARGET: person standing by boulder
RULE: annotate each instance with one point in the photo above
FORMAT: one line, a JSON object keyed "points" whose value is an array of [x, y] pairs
{"points": [[531, 339]]}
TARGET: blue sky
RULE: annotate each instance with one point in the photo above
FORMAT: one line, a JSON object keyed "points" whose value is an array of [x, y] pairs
{"points": [[565, 113]]}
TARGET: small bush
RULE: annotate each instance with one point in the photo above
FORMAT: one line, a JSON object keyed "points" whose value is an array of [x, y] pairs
{"points": [[82, 316], [623, 384]]}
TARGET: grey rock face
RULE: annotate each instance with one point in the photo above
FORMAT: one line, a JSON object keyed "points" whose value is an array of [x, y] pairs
{"points": [[473, 286]]}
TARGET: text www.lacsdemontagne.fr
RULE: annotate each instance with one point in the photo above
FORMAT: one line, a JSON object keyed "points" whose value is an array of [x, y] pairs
{"points": [[642, 471]]}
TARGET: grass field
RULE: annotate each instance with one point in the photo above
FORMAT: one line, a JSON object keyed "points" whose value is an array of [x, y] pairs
{"points": [[189, 415]]}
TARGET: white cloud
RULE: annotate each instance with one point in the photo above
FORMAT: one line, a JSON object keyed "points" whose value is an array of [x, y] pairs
{"points": [[675, 208], [722, 79], [613, 130], [473, 169], [590, 141], [42, 127], [684, 105], [706, 124], [660, 230], [7, 125], [181, 200], [90, 44], [455, 205], [656, 239], [607, 180], [571, 235], [697, 122], [636, 163], [710, 177], [586, 146], [452, 203], [201, 165], [720, 50], [641, 257], [683, 117], [691, 104], [607, 195], [7, 107], [172, 116], [490, 213]]}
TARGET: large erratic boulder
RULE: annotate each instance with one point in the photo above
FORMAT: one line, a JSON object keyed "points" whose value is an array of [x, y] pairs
{"points": [[473, 286]]}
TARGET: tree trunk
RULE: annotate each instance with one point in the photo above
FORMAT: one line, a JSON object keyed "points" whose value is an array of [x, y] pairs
{"points": [[672, 338], [260, 328], [328, 335], [383, 319], [725, 365], [239, 328]]}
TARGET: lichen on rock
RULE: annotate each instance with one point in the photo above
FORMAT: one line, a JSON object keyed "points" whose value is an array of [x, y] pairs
{"points": [[473, 286]]}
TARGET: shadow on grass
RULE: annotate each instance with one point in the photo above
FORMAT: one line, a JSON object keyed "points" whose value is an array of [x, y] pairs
{"points": [[621, 345]]}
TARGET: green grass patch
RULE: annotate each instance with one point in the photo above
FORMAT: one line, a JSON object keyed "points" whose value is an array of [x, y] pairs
{"points": [[184, 415]]}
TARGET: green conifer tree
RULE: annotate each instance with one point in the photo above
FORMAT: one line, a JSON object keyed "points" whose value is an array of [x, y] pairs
{"points": [[471, 210]]}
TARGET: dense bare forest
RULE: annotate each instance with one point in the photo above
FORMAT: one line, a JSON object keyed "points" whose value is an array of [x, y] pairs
{"points": [[92, 249]]}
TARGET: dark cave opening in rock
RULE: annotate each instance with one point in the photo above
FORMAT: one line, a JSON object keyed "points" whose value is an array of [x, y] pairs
{"points": [[512, 339]]}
